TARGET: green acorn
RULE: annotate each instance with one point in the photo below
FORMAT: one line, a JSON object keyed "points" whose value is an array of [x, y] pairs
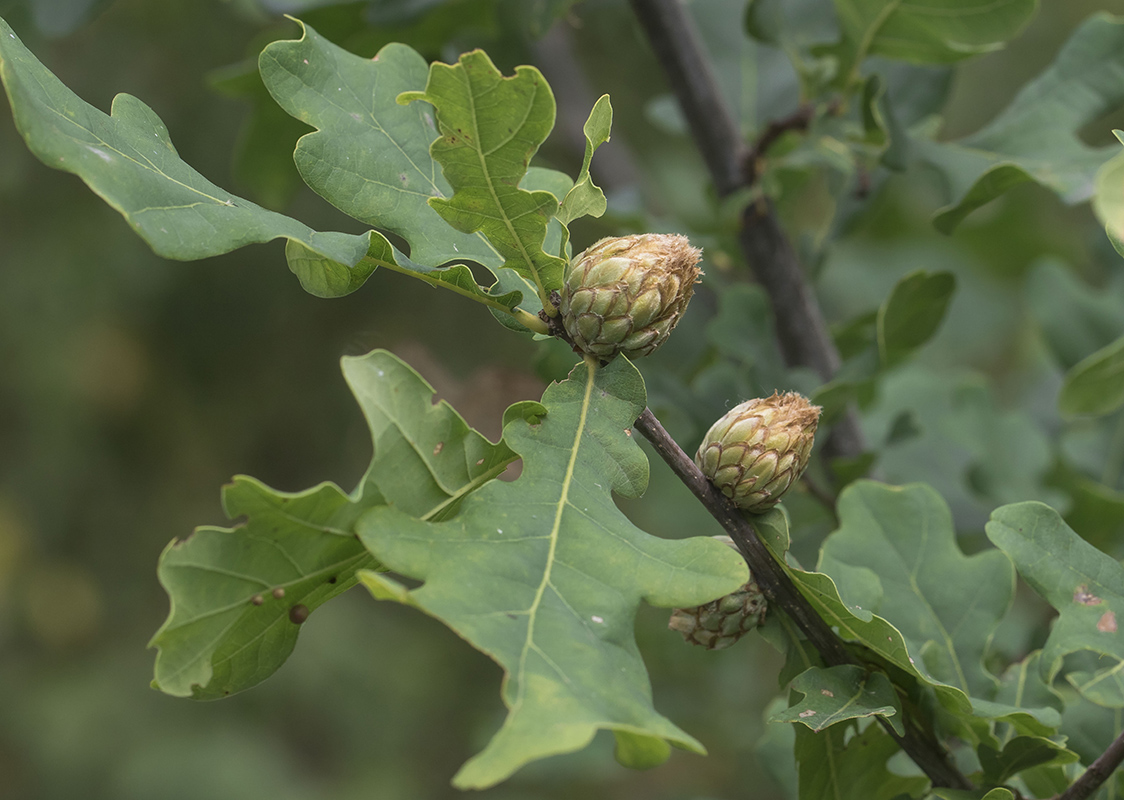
{"points": [[624, 294], [721, 622], [759, 449]]}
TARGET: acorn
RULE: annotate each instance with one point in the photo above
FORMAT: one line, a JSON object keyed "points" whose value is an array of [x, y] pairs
{"points": [[625, 294], [756, 451], [719, 623]]}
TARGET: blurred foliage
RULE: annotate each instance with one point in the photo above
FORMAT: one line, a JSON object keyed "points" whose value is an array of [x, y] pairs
{"points": [[132, 387]]}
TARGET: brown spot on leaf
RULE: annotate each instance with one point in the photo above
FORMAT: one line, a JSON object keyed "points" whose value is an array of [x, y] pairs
{"points": [[1107, 623], [257, 600], [808, 713], [627, 432], [438, 448], [278, 592], [298, 614], [1083, 596], [827, 693], [480, 463]]}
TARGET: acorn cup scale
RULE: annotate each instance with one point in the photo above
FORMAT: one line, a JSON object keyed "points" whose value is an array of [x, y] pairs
{"points": [[625, 294], [758, 449], [718, 624]]}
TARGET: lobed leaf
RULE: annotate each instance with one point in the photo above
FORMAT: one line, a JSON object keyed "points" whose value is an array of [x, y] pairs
{"points": [[1095, 385], [369, 156], [855, 622], [1021, 753], [888, 589], [946, 605], [925, 32], [837, 694], [912, 313], [585, 198], [545, 575], [1021, 687], [998, 793], [490, 126], [1108, 201], [1085, 585], [834, 766], [1036, 137], [127, 158], [238, 595], [1076, 318]]}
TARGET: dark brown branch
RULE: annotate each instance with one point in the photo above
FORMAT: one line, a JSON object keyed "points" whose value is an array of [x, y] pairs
{"points": [[677, 46], [798, 120], [1097, 773], [801, 329], [783, 594]]}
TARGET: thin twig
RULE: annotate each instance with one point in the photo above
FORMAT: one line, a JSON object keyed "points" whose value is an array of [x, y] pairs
{"points": [[1097, 773], [798, 120], [783, 594], [801, 329]]}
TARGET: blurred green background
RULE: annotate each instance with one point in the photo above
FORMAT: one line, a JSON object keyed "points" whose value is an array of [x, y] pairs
{"points": [[132, 388]]}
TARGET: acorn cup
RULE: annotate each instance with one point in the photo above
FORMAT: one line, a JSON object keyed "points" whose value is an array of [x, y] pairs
{"points": [[719, 623], [625, 294], [759, 449]]}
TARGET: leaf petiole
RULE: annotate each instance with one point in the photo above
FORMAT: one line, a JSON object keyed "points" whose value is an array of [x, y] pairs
{"points": [[525, 318]]}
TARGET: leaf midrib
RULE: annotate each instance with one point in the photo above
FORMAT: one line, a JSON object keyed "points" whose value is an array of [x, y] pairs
{"points": [[562, 503], [479, 148]]}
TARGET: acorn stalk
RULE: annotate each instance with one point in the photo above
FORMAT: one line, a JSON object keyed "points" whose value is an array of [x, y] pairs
{"points": [[756, 451], [625, 294]]}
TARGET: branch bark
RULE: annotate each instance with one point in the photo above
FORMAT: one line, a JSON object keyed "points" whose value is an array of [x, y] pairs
{"points": [[1097, 773], [801, 329], [783, 594]]}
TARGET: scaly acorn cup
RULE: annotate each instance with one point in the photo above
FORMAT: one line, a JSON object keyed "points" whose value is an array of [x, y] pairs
{"points": [[759, 449], [624, 294], [720, 623]]}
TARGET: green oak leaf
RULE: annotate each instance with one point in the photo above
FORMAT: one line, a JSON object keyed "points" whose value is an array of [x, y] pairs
{"points": [[490, 127], [1036, 137], [1095, 385], [1104, 686], [585, 198], [1076, 318], [1022, 752], [855, 622], [1089, 729], [934, 633], [925, 32], [237, 593], [1108, 201], [545, 575], [912, 313], [369, 156], [998, 793], [233, 591], [834, 766], [946, 605], [127, 158], [837, 694], [1021, 687], [323, 277], [1085, 585]]}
